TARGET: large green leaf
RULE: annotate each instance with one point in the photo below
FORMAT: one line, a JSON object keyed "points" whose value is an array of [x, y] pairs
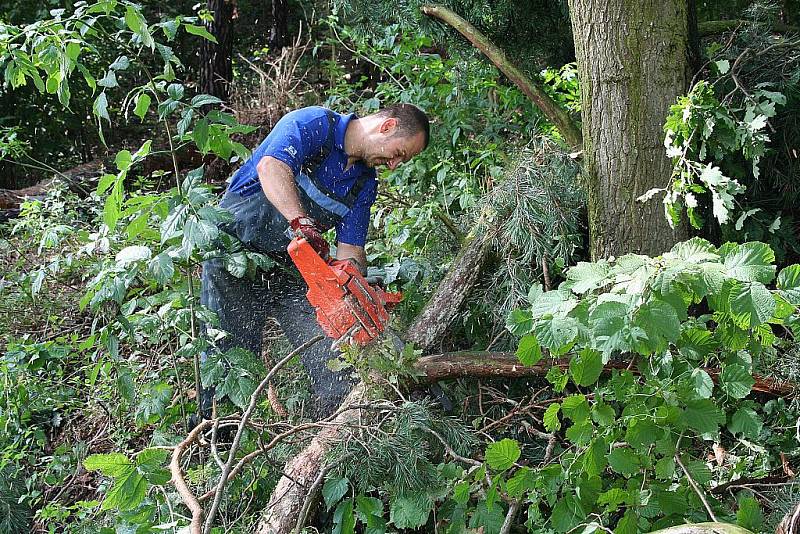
{"points": [[624, 461], [198, 233], [487, 519], [586, 367], [333, 490], [748, 262], [502, 454], [567, 514], [586, 276], [550, 417], [660, 321], [410, 509], [695, 250], [519, 322], [529, 352], [703, 415], [556, 333], [736, 381], [751, 304], [746, 422], [576, 408], [522, 482], [113, 464], [789, 283]]}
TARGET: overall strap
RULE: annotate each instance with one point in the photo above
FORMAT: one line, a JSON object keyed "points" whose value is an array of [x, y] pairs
{"points": [[313, 164], [316, 160]]}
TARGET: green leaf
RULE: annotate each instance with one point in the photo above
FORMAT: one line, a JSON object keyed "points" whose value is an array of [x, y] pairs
{"points": [[204, 100], [695, 250], [343, 519], [529, 352], [556, 333], [133, 19], [660, 321], [162, 268], [333, 490], [624, 461], [519, 322], [522, 482], [123, 160], [581, 432], [628, 524], [142, 105], [132, 254], [109, 80], [576, 408], [461, 493], [100, 107], [699, 471], [410, 509], [502, 454], [550, 418], [127, 493], [749, 514], [200, 135], [594, 460], [703, 415], [587, 276], [486, 519], [154, 401], [747, 423], [199, 30], [199, 233], [567, 514], [112, 465], [751, 304], [789, 283], [152, 457], [749, 262], [586, 367], [736, 381], [236, 264], [702, 384]]}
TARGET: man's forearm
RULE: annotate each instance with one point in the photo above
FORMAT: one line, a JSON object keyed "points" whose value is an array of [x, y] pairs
{"points": [[278, 184]]}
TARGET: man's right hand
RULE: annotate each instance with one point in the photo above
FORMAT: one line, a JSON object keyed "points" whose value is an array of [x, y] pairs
{"points": [[308, 228]]}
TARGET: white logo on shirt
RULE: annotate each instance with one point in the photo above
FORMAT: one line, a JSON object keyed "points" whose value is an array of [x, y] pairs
{"points": [[291, 150]]}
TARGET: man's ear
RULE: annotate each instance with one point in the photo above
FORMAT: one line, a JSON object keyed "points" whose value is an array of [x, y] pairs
{"points": [[388, 125]]}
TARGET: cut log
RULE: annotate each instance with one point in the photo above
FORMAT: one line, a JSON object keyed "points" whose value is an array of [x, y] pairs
{"points": [[286, 501]]}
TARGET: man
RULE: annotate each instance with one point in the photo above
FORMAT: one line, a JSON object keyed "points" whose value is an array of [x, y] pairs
{"points": [[314, 171]]}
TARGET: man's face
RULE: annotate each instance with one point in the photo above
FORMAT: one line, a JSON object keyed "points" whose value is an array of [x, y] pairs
{"points": [[391, 149]]}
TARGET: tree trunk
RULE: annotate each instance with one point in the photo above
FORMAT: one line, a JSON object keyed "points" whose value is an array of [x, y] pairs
{"points": [[704, 528], [278, 30], [632, 61], [216, 71]]}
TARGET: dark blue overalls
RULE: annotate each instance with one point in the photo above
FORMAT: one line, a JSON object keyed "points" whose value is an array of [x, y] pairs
{"points": [[243, 304]]}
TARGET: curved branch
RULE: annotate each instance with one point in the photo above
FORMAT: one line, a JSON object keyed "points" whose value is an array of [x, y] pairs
{"points": [[550, 108]]}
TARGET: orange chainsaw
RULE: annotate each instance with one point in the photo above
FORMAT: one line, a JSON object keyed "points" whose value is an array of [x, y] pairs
{"points": [[348, 308]]}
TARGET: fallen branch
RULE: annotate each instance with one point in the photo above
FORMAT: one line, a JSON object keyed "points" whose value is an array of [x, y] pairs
{"points": [[547, 105], [478, 364], [704, 528]]}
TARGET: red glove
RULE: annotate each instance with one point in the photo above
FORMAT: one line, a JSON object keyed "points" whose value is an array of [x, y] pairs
{"points": [[309, 229]]}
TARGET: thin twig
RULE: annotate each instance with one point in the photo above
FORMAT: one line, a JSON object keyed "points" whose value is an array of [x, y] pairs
{"points": [[243, 423], [696, 489], [512, 512]]}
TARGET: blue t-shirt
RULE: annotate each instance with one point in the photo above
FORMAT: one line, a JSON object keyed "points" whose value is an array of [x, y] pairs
{"points": [[296, 140]]}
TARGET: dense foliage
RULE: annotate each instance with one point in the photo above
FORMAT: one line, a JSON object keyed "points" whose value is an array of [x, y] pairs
{"points": [[653, 401]]}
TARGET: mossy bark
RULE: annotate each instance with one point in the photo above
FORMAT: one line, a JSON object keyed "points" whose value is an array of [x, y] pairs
{"points": [[632, 62]]}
